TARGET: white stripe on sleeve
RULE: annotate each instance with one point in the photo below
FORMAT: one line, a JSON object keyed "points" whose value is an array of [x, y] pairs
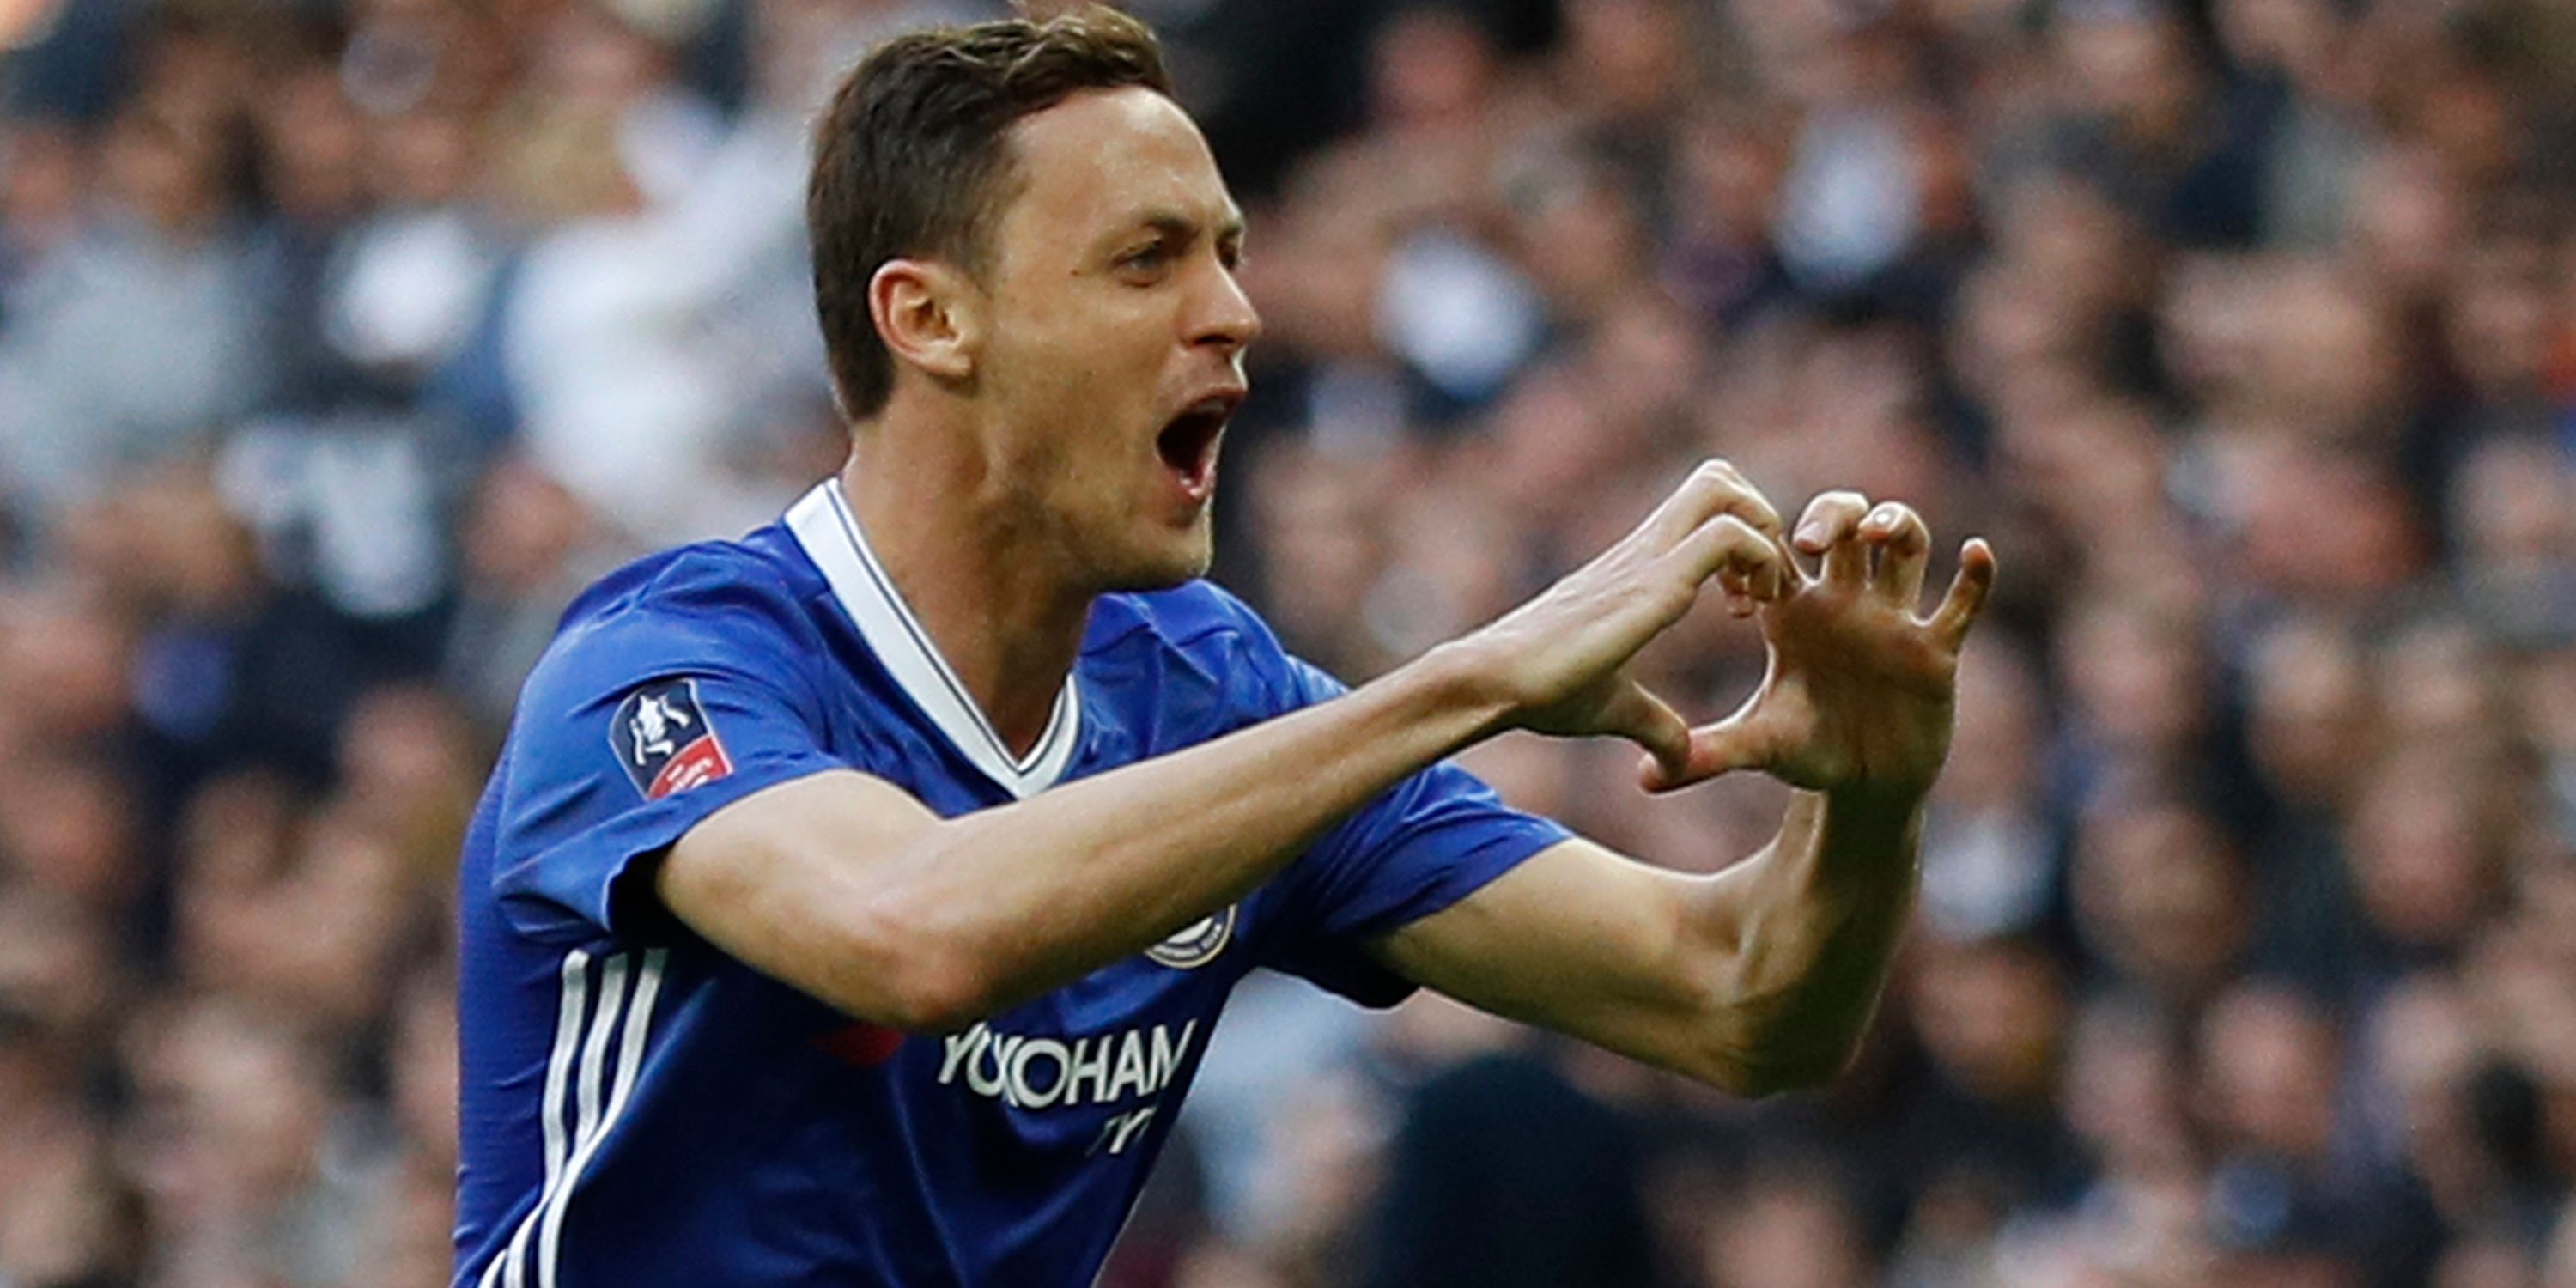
{"points": [[550, 1111], [630, 1057]]}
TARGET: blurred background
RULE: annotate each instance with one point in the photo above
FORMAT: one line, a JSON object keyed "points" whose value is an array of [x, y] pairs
{"points": [[341, 341]]}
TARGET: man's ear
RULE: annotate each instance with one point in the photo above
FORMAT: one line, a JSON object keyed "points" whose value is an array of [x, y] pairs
{"points": [[930, 315]]}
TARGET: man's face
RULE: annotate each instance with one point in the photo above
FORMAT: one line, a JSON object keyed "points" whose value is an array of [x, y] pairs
{"points": [[1114, 348]]}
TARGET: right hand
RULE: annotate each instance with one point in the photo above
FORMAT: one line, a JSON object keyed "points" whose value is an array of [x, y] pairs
{"points": [[1561, 660]]}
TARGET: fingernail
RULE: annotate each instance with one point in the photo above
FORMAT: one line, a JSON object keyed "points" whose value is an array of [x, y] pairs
{"points": [[1811, 533]]}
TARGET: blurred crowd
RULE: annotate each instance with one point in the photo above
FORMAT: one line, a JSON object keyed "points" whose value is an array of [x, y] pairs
{"points": [[341, 341]]}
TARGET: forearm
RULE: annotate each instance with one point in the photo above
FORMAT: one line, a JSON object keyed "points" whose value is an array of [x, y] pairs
{"points": [[1047, 889], [1804, 932], [1762, 977]]}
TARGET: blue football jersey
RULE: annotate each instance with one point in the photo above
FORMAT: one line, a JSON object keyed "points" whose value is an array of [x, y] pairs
{"points": [[640, 1109]]}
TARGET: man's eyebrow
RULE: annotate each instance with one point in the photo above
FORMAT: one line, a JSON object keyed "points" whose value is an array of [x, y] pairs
{"points": [[1172, 223]]}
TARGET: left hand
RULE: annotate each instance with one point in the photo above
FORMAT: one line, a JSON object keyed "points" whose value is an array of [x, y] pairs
{"points": [[1859, 692]]}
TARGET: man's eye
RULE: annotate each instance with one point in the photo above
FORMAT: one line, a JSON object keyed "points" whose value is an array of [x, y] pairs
{"points": [[1148, 257]]}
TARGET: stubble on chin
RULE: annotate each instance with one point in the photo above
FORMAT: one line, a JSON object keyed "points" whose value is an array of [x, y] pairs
{"points": [[1165, 561]]}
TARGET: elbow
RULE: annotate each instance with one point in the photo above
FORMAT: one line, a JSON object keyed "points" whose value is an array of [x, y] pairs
{"points": [[917, 974], [878, 937], [934, 990], [1764, 1074], [1754, 1044]]}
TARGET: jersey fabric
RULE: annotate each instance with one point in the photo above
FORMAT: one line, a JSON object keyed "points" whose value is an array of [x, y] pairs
{"points": [[640, 1109]]}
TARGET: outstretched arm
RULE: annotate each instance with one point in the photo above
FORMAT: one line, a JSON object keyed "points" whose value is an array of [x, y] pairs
{"points": [[1762, 977], [848, 888]]}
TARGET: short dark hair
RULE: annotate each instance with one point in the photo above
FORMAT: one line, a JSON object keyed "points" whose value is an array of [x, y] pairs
{"points": [[911, 157]]}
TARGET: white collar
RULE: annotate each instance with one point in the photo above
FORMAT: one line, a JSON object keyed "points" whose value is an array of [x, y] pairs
{"points": [[823, 525]]}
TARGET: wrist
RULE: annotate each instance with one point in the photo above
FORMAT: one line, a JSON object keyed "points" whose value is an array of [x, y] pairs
{"points": [[1458, 684], [1863, 829], [1886, 805]]}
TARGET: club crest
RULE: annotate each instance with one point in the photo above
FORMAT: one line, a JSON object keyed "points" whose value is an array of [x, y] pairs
{"points": [[1197, 943]]}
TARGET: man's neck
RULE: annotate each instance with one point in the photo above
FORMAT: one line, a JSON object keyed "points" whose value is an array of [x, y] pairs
{"points": [[1002, 614]]}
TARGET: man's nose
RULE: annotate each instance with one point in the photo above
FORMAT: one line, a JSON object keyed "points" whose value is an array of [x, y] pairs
{"points": [[1226, 318]]}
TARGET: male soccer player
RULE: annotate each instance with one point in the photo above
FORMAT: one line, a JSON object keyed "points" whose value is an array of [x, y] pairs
{"points": [[853, 902]]}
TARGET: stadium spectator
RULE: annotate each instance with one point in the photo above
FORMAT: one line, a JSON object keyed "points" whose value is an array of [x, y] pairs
{"points": [[341, 341]]}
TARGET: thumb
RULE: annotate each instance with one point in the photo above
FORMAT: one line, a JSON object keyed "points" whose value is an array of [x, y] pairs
{"points": [[1737, 742], [1636, 714]]}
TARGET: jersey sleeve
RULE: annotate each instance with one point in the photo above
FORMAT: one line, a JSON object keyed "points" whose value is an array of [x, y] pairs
{"points": [[632, 730], [1424, 844]]}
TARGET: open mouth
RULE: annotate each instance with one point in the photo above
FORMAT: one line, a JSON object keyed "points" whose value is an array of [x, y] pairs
{"points": [[1189, 440]]}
